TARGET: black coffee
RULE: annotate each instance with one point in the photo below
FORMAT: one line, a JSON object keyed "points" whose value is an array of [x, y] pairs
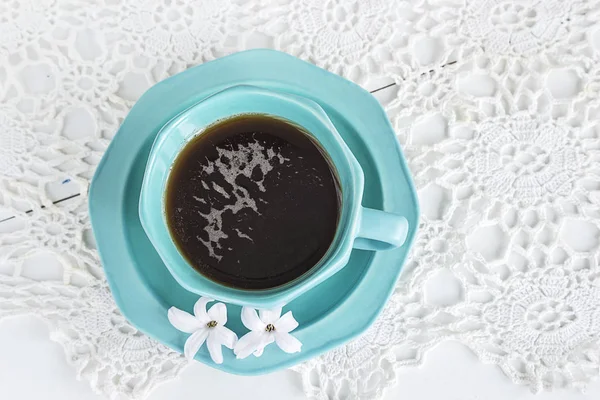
{"points": [[252, 202]]}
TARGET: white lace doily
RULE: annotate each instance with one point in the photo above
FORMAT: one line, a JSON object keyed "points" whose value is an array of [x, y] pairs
{"points": [[497, 107]]}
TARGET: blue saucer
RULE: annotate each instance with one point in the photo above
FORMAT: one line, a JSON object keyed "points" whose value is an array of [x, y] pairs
{"points": [[330, 314]]}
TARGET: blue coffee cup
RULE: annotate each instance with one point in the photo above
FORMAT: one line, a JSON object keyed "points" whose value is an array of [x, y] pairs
{"points": [[358, 227]]}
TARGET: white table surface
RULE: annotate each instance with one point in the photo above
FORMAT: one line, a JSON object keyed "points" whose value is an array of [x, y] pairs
{"points": [[34, 367]]}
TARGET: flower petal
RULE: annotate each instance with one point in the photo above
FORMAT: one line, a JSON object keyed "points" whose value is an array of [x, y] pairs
{"points": [[251, 321], [259, 352], [249, 343], [267, 340], [218, 313], [287, 342], [194, 342], [225, 335], [286, 324], [214, 347], [200, 309], [270, 316], [183, 321]]}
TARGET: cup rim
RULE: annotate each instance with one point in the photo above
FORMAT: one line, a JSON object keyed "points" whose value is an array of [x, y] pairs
{"points": [[185, 274]]}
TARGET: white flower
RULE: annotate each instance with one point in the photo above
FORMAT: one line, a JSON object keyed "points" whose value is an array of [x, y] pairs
{"points": [[269, 328], [204, 326]]}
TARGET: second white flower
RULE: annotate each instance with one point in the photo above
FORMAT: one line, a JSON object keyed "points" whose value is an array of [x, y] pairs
{"points": [[265, 328]]}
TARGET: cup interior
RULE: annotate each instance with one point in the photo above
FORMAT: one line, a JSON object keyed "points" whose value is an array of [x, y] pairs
{"points": [[237, 101]]}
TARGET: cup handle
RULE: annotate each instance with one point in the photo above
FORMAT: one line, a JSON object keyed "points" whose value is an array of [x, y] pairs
{"points": [[380, 230]]}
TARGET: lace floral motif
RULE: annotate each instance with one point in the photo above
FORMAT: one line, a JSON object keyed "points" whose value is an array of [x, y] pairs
{"points": [[496, 106], [509, 27], [179, 29], [337, 34], [550, 308], [525, 160], [99, 339], [16, 145], [541, 327]]}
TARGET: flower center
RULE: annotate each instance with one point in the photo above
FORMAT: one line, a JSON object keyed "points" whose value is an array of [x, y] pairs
{"points": [[270, 328], [212, 324]]}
